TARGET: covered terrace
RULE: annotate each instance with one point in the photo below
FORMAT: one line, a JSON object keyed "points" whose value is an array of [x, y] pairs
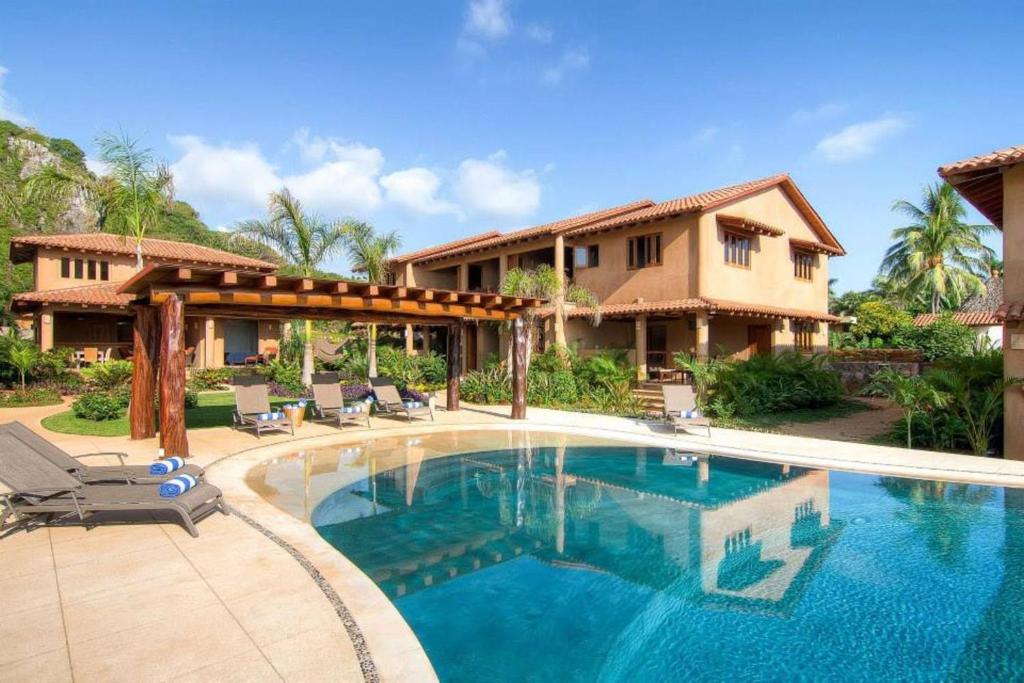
{"points": [[161, 295]]}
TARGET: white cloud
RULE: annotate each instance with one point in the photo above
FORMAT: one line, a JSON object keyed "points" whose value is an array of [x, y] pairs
{"points": [[489, 186], [487, 19], [415, 189], [97, 166], [541, 33], [859, 140], [8, 106], [572, 59], [828, 110], [705, 135]]}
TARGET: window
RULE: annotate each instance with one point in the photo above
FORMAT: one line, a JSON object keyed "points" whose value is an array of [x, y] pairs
{"points": [[79, 267], [65, 267], [585, 257], [644, 251], [104, 270], [737, 250], [92, 269], [803, 265], [803, 336]]}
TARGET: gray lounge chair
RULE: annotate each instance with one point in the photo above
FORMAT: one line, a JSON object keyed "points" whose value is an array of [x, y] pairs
{"points": [[91, 474], [42, 493], [330, 404], [251, 403], [390, 401], [680, 401]]}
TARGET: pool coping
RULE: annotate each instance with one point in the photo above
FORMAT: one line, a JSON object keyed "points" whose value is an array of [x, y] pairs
{"points": [[385, 644]]}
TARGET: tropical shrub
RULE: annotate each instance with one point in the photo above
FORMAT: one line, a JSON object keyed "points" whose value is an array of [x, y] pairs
{"points": [[879, 319], [32, 396], [914, 395], [551, 388], [109, 375], [210, 379], [768, 383], [488, 386], [283, 378], [705, 373], [101, 405], [943, 338]]}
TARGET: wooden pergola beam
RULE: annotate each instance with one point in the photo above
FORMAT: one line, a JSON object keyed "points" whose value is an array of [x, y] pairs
{"points": [[173, 437]]}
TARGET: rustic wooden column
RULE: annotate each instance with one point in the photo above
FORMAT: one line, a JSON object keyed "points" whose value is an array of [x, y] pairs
{"points": [[519, 343], [455, 333], [145, 358], [173, 438]]}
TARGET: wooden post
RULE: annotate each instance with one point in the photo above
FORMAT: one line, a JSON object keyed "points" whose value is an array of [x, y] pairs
{"points": [[173, 438], [518, 370], [145, 358], [455, 333]]}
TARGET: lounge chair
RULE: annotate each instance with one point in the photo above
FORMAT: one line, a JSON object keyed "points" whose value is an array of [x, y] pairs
{"points": [[681, 408], [330, 404], [91, 474], [42, 493], [388, 400], [252, 410]]}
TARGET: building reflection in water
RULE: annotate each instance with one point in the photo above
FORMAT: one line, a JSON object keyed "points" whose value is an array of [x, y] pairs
{"points": [[724, 532]]}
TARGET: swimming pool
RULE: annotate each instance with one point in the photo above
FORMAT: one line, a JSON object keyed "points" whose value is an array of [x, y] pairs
{"points": [[612, 562]]}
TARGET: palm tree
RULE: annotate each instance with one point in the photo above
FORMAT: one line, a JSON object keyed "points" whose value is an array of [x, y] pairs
{"points": [[543, 283], [938, 257], [914, 395], [139, 188], [303, 239], [369, 254]]}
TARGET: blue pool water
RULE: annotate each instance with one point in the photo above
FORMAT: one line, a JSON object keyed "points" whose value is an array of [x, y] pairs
{"points": [[622, 563]]}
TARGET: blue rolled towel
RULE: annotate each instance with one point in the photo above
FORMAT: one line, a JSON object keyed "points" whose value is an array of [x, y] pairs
{"points": [[177, 486], [690, 414], [161, 467]]}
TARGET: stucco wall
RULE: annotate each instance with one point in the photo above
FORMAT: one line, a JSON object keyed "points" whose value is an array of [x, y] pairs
{"points": [[47, 269], [769, 280]]}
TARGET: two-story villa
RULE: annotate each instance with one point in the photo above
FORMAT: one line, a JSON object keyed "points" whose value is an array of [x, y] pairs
{"points": [[735, 271], [75, 302]]}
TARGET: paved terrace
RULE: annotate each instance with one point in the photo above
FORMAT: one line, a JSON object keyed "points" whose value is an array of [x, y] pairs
{"points": [[259, 596]]}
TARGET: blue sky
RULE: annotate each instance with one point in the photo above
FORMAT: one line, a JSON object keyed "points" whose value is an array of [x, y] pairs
{"points": [[444, 119]]}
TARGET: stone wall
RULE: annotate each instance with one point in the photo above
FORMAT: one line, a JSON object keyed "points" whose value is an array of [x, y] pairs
{"points": [[856, 374]]}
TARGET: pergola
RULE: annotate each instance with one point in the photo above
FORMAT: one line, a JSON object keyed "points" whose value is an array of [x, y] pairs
{"points": [[164, 292]]}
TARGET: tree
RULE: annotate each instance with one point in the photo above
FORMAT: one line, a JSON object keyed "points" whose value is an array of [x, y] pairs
{"points": [[369, 254], [302, 239], [937, 257], [137, 189], [23, 356], [543, 283], [914, 395]]}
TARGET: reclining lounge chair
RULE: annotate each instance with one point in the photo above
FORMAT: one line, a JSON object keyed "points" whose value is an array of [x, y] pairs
{"points": [[252, 410], [390, 401], [42, 493], [130, 474], [681, 408], [330, 404]]}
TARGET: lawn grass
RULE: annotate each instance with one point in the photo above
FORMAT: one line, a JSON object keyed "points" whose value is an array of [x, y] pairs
{"points": [[214, 410], [772, 421]]}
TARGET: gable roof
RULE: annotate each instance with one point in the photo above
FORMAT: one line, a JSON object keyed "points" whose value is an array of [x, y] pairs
{"points": [[979, 179], [713, 199], [23, 249], [497, 239], [978, 311]]}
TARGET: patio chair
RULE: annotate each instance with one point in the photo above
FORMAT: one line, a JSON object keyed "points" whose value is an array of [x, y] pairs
{"points": [[92, 474], [252, 408], [681, 408], [42, 493], [330, 404], [90, 355], [390, 401]]}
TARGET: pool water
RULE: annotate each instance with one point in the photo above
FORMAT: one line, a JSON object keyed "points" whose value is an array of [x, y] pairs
{"points": [[622, 563]]}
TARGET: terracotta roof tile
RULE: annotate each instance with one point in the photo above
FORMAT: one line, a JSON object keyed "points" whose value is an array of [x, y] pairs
{"points": [[969, 318], [818, 247], [498, 239], [429, 251], [1011, 311], [151, 248], [1000, 157], [105, 294], [703, 304]]}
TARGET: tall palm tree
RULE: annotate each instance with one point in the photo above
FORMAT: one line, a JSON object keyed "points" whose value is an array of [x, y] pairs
{"points": [[369, 254], [937, 257], [303, 239], [543, 283], [139, 190]]}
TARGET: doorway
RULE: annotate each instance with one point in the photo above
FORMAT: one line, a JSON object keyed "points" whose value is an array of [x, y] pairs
{"points": [[241, 340], [759, 339], [657, 346], [471, 348]]}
